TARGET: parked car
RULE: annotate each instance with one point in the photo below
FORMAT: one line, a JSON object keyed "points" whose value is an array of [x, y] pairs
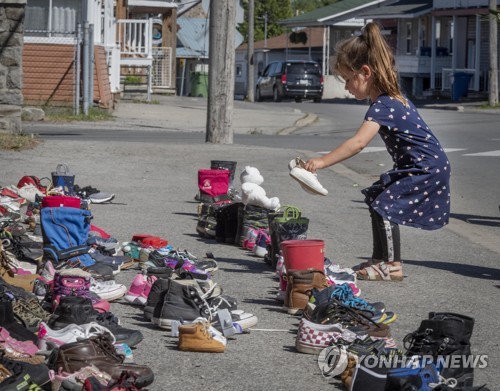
{"points": [[292, 79]]}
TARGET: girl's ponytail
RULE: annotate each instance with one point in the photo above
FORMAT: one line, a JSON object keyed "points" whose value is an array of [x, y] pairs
{"points": [[371, 48]]}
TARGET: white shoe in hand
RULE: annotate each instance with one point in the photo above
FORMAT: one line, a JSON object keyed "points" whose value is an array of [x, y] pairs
{"points": [[307, 180]]}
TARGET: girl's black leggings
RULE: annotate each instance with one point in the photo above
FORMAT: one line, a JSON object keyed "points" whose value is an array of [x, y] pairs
{"points": [[386, 239]]}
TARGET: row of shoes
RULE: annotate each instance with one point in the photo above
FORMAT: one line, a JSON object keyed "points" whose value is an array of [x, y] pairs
{"points": [[178, 294], [56, 328]]}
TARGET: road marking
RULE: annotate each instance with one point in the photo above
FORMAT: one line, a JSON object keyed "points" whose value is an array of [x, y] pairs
{"points": [[489, 153], [373, 149], [454, 149]]}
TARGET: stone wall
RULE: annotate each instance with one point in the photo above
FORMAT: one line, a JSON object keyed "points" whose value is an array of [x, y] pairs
{"points": [[11, 50]]}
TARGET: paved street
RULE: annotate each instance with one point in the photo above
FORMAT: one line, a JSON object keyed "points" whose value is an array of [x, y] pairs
{"points": [[155, 184]]}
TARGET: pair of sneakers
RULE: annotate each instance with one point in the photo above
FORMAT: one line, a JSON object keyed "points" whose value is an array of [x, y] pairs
{"points": [[307, 180]]}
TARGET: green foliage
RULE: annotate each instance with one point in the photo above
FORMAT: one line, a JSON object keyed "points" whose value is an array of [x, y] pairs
{"points": [[67, 115], [276, 10], [303, 6]]}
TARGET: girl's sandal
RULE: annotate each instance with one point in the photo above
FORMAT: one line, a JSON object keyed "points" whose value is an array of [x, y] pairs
{"points": [[383, 271], [363, 265]]}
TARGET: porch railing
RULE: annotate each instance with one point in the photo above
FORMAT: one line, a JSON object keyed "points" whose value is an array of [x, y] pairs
{"points": [[135, 40]]}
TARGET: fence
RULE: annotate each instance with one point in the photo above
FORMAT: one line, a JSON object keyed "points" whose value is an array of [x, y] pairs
{"points": [[59, 68]]}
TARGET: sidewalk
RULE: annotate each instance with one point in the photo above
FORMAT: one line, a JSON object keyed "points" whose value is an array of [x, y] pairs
{"points": [[154, 187], [174, 113]]}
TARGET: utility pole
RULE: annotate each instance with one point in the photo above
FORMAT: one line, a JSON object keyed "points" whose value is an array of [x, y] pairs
{"points": [[493, 76], [221, 72], [250, 70]]}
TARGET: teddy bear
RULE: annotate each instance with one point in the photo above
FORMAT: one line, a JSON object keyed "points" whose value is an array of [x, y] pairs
{"points": [[252, 191]]}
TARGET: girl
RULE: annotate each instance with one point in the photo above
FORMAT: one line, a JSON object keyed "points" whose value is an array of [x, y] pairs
{"points": [[416, 191]]}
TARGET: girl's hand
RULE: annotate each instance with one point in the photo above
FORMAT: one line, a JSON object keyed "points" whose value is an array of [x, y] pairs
{"points": [[315, 164]]}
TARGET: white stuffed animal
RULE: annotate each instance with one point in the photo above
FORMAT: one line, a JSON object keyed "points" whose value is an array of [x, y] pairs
{"points": [[252, 192]]}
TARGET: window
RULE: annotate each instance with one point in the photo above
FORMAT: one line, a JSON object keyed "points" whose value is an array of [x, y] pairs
{"points": [[450, 36], [408, 38], [239, 70], [51, 18], [438, 33]]}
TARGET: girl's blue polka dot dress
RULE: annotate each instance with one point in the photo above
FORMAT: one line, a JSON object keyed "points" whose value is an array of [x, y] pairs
{"points": [[416, 192]]}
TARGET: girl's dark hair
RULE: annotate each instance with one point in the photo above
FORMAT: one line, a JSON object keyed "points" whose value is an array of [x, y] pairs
{"points": [[370, 48]]}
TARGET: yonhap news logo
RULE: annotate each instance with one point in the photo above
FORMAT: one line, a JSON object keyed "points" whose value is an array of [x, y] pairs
{"points": [[333, 360]]}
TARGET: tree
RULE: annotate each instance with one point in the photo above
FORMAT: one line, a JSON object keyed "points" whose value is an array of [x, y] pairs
{"points": [[276, 10], [304, 6], [493, 76]]}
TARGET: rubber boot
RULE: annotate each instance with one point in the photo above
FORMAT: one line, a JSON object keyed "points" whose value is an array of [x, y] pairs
{"points": [[300, 283]]}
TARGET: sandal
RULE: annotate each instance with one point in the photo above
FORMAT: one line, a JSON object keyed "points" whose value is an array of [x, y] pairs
{"points": [[364, 265], [383, 271]]}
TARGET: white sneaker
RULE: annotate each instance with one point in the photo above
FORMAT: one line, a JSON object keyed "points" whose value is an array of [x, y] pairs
{"points": [[307, 180], [49, 339], [107, 290], [29, 192]]}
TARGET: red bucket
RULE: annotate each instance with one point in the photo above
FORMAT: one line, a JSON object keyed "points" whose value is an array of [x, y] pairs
{"points": [[303, 254]]}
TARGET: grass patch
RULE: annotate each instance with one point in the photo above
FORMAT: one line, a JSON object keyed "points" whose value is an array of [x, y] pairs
{"points": [[497, 106], [67, 115], [152, 102], [18, 142]]}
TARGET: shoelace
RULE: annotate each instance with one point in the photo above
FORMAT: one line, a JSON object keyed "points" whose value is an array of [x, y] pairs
{"points": [[93, 329], [344, 294], [414, 342], [450, 382]]}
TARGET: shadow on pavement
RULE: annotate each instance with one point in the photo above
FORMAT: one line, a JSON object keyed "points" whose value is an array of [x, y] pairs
{"points": [[477, 220], [485, 273]]}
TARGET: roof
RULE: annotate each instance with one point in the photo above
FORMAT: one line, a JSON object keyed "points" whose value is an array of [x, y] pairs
{"points": [[334, 13], [193, 38], [186, 5], [401, 9], [314, 39], [151, 6]]}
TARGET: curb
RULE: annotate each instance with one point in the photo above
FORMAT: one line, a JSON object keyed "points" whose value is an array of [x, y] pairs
{"points": [[306, 120]]}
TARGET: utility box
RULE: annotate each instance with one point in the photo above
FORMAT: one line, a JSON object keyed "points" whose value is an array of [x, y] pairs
{"points": [[460, 85]]}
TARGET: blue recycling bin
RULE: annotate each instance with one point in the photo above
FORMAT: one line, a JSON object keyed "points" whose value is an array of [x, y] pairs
{"points": [[460, 85]]}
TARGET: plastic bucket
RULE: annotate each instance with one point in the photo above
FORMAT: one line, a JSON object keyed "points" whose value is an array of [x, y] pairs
{"points": [[303, 254]]}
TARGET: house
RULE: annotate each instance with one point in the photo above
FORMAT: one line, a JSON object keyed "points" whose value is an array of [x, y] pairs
{"points": [[52, 56], [433, 40], [274, 49], [192, 49], [338, 20]]}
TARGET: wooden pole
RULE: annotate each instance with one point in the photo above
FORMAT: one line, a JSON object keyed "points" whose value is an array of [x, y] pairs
{"points": [[250, 67], [221, 72], [493, 76]]}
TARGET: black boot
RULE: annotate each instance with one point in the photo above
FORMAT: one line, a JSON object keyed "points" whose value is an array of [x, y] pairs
{"points": [[156, 295], [444, 336]]}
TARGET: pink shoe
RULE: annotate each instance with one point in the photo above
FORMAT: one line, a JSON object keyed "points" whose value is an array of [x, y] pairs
{"points": [[147, 288], [15, 347], [136, 291]]}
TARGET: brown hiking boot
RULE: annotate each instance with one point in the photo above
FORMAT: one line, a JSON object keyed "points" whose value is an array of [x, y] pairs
{"points": [[199, 337], [300, 282], [98, 351]]}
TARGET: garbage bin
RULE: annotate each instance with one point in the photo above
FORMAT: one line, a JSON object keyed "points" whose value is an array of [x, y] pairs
{"points": [[460, 85], [199, 84]]}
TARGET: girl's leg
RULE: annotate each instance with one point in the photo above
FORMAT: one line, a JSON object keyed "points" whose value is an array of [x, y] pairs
{"points": [[386, 240], [386, 247]]}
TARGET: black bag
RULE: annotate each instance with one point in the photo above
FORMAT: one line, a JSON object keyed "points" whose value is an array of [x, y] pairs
{"points": [[227, 222], [250, 216], [286, 223]]}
